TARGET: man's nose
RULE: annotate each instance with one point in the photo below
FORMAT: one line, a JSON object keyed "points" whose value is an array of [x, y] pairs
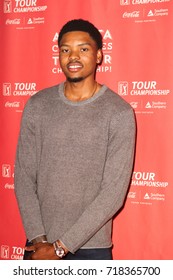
{"points": [[74, 55]]}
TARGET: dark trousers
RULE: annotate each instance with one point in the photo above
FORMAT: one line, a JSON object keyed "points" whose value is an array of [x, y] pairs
{"points": [[91, 254], [82, 254]]}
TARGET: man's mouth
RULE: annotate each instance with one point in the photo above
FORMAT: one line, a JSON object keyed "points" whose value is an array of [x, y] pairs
{"points": [[74, 67]]}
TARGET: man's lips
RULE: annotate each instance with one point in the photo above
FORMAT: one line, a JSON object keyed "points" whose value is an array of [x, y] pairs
{"points": [[74, 67]]}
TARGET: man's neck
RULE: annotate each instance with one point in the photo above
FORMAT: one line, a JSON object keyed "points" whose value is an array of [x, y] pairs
{"points": [[81, 90]]}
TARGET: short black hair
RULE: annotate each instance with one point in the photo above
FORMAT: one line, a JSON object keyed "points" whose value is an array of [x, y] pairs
{"points": [[82, 25]]}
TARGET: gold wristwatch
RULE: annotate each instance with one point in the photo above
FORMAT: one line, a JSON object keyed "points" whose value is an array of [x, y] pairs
{"points": [[59, 250]]}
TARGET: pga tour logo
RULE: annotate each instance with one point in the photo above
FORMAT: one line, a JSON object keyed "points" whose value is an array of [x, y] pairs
{"points": [[6, 89], [6, 170], [5, 252], [123, 88], [124, 2], [7, 6]]}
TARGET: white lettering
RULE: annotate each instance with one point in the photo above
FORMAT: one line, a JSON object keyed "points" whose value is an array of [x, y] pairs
{"points": [[150, 92], [55, 60], [16, 257], [8, 186], [107, 59], [106, 35], [144, 85], [144, 176], [56, 70], [107, 46], [104, 69], [18, 250], [12, 104], [24, 93], [13, 21], [148, 1], [55, 38], [55, 48], [30, 9], [131, 15], [25, 86], [27, 3]]}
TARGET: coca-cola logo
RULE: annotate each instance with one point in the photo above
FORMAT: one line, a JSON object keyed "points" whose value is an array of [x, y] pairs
{"points": [[133, 14], [15, 104], [13, 21]]}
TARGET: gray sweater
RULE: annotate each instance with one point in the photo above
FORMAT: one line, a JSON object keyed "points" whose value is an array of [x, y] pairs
{"points": [[73, 166]]}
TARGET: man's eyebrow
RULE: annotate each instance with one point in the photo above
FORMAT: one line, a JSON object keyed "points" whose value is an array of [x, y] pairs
{"points": [[82, 44]]}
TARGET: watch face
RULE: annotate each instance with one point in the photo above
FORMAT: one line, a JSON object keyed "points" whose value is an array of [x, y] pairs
{"points": [[60, 252]]}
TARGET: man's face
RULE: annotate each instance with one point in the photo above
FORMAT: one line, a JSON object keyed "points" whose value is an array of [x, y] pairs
{"points": [[78, 56]]}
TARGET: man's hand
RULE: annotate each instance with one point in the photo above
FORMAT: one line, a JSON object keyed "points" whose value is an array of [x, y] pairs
{"points": [[42, 251]]}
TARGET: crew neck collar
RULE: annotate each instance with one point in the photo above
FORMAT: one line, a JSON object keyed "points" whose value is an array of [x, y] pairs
{"points": [[79, 103]]}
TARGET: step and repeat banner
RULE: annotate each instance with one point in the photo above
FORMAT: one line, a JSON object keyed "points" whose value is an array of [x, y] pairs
{"points": [[138, 65]]}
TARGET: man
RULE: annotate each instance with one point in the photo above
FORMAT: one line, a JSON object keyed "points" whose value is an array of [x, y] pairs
{"points": [[75, 156]]}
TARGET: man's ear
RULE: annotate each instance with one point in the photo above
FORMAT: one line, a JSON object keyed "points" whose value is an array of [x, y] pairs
{"points": [[99, 56]]}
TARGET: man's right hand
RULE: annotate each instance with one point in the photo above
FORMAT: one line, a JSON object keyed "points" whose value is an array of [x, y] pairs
{"points": [[42, 251]]}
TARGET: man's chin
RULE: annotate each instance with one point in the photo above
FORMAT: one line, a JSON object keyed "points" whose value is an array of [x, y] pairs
{"points": [[74, 80]]}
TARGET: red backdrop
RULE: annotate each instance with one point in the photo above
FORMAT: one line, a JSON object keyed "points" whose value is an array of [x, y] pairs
{"points": [[138, 43]]}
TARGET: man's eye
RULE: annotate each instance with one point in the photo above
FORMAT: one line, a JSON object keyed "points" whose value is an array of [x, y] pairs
{"points": [[64, 50], [84, 49]]}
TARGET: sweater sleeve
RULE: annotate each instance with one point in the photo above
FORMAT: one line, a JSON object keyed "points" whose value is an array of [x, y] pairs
{"points": [[25, 178], [115, 182]]}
